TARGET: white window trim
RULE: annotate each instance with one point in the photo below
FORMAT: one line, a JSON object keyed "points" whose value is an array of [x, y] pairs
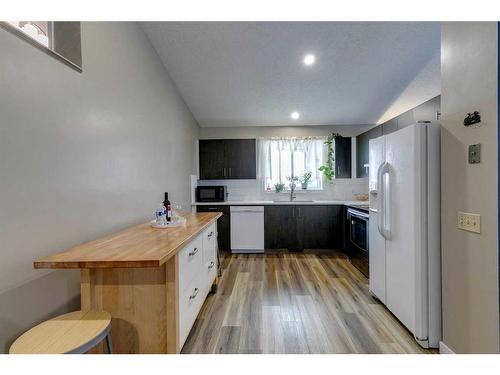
{"points": [[298, 188]]}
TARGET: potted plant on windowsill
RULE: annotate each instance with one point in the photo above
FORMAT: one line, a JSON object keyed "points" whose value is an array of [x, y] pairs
{"points": [[279, 187], [305, 178]]}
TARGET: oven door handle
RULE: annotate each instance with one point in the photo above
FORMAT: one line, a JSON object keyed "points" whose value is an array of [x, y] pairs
{"points": [[355, 213]]}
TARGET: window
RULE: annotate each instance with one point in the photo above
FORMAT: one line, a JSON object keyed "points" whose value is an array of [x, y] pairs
{"points": [[282, 158], [59, 39], [41, 31]]}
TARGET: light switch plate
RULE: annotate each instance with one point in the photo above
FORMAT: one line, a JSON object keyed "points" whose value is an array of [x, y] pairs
{"points": [[469, 222], [475, 153]]}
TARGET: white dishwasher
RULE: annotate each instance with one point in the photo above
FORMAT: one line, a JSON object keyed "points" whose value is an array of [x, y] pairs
{"points": [[247, 229]]}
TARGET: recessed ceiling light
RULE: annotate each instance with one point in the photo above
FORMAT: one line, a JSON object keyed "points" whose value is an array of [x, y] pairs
{"points": [[295, 115], [309, 59]]}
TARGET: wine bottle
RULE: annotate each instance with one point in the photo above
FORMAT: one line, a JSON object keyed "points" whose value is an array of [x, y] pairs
{"points": [[168, 208]]}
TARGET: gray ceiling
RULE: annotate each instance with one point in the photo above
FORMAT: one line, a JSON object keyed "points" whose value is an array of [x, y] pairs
{"points": [[251, 74]]}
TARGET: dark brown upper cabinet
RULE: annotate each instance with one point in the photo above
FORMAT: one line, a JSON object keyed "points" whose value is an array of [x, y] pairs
{"points": [[422, 113], [362, 148], [343, 157], [428, 111], [227, 159]]}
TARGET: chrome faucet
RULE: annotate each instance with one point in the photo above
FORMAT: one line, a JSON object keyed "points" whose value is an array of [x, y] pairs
{"points": [[292, 190]]}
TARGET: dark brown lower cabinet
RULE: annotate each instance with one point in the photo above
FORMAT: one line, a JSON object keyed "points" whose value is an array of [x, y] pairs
{"points": [[280, 227], [223, 224], [297, 227]]}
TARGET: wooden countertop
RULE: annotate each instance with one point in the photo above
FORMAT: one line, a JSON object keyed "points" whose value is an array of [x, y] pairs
{"points": [[139, 246]]}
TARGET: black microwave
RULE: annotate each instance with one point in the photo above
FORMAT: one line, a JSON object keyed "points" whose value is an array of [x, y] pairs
{"points": [[211, 193]]}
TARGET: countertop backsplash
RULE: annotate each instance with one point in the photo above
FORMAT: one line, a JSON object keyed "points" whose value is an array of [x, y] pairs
{"points": [[241, 190]]}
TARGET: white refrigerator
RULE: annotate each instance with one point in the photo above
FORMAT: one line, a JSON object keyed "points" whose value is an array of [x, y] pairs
{"points": [[404, 259]]}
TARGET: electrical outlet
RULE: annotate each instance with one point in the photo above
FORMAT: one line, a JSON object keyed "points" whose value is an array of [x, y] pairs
{"points": [[469, 222]]}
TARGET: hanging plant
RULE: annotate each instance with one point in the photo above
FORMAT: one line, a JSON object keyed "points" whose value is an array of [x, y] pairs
{"points": [[328, 169]]}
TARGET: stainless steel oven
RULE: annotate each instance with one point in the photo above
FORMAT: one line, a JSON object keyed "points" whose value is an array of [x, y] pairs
{"points": [[358, 242]]}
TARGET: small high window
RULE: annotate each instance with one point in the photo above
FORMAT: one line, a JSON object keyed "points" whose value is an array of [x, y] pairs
{"points": [[41, 31]]}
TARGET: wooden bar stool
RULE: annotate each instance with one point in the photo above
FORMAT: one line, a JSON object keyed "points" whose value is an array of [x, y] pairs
{"points": [[74, 333]]}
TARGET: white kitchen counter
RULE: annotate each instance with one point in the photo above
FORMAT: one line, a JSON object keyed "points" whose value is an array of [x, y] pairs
{"points": [[281, 202]]}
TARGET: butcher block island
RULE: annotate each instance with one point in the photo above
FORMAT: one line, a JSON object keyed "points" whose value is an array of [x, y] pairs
{"points": [[152, 281]]}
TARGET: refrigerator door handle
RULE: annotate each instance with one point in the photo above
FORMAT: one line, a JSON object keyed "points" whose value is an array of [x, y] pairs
{"points": [[382, 215], [380, 201], [387, 203]]}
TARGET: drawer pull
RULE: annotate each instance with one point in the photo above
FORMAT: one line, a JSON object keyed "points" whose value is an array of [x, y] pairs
{"points": [[212, 264], [195, 293], [192, 253], [210, 234]]}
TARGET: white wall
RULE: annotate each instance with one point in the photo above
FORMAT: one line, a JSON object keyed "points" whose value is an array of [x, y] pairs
{"points": [[469, 69], [339, 189], [81, 156]]}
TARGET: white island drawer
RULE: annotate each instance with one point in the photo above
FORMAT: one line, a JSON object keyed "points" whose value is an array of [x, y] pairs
{"points": [[190, 262], [190, 302], [209, 244]]}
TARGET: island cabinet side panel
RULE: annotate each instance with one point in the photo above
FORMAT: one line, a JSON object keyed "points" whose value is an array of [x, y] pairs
{"points": [[137, 299], [172, 305]]}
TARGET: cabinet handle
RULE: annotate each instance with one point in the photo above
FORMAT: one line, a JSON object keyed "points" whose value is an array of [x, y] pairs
{"points": [[224, 169], [230, 173], [195, 250], [210, 234], [195, 293], [300, 212], [212, 264]]}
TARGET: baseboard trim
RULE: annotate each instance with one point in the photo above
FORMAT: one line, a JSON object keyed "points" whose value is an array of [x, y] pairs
{"points": [[444, 349]]}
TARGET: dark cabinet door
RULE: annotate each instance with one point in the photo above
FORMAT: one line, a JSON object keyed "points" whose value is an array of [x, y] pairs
{"points": [[320, 227], [300, 227], [223, 159], [390, 126], [314, 227], [343, 157], [280, 227], [427, 111], [363, 149], [424, 112], [361, 155], [223, 224], [212, 159], [241, 158], [337, 220], [405, 119]]}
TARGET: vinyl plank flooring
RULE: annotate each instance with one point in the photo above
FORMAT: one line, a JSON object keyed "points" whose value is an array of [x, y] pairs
{"points": [[303, 302], [270, 296], [273, 340], [317, 340], [289, 309], [251, 330], [362, 340], [294, 337], [234, 311], [229, 339]]}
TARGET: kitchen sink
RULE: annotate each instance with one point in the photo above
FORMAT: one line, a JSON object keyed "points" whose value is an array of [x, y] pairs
{"points": [[294, 201]]}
